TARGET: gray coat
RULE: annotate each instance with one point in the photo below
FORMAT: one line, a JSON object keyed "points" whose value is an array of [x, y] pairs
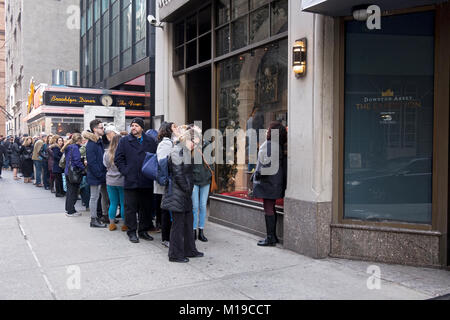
{"points": [[164, 149], [270, 186], [113, 177]]}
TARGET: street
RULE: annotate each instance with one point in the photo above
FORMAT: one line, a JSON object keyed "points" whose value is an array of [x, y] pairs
{"points": [[46, 255]]}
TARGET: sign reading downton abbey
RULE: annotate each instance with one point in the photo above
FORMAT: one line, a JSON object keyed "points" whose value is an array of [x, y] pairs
{"points": [[388, 100]]}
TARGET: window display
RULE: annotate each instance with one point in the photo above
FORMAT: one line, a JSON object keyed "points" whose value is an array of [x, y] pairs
{"points": [[251, 92]]}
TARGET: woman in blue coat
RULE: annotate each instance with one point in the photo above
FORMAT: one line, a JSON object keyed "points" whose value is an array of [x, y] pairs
{"points": [[269, 178], [73, 158]]}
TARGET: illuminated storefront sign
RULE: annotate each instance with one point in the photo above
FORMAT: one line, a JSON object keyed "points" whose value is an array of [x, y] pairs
{"points": [[79, 99]]}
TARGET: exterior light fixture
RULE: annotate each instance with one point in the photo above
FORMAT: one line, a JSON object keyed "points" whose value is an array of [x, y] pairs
{"points": [[299, 58]]}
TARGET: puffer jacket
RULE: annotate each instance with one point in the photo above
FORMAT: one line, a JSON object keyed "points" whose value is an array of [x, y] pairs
{"points": [[15, 154], [177, 197]]}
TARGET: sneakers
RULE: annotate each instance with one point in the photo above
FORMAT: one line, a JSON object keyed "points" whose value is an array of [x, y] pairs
{"points": [[165, 243], [75, 214]]}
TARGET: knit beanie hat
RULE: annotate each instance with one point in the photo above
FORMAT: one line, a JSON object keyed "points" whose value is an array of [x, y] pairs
{"points": [[139, 121]]}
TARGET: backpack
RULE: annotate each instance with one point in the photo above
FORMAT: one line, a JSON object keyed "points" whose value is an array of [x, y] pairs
{"points": [[150, 166], [156, 170]]}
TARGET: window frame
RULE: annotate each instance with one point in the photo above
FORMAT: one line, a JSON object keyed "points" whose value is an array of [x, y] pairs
{"points": [[440, 130]]}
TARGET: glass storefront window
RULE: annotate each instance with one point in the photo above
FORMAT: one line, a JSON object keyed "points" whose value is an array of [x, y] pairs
{"points": [[239, 33], [259, 25], [191, 28], [222, 12], [388, 146], [239, 8], [204, 20], [251, 92], [223, 41], [191, 54], [279, 21], [257, 3], [204, 43], [179, 33]]}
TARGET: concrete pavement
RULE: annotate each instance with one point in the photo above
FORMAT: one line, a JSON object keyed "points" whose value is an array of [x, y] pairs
{"points": [[46, 255]]}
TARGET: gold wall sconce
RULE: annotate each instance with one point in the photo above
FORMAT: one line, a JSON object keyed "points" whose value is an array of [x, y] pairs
{"points": [[299, 58]]}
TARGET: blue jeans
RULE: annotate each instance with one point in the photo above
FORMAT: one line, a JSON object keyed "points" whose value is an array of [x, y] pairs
{"points": [[199, 199], [38, 167], [85, 192], [116, 196], [45, 174]]}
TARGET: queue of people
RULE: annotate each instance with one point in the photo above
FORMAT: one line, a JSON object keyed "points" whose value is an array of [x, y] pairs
{"points": [[105, 168]]}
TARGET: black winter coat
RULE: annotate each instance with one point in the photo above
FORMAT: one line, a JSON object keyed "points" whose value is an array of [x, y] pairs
{"points": [[2, 153], [178, 195], [57, 155], [270, 186], [26, 153], [15, 155], [129, 157]]}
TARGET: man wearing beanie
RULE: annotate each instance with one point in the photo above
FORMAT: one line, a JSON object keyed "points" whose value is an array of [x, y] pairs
{"points": [[129, 158]]}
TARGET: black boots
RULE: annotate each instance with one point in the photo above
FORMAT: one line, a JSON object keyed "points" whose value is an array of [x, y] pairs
{"points": [[271, 240], [201, 236], [95, 223]]}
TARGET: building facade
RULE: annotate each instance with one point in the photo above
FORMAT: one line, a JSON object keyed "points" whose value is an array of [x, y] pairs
{"points": [[117, 46], [3, 114], [367, 120], [40, 38]]}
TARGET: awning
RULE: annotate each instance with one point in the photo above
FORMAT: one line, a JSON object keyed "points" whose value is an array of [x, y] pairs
{"points": [[172, 10], [338, 8], [76, 111]]}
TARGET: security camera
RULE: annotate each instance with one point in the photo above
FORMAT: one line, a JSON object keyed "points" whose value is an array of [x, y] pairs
{"points": [[154, 22]]}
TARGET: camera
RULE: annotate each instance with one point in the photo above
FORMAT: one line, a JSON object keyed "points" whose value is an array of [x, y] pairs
{"points": [[154, 22]]}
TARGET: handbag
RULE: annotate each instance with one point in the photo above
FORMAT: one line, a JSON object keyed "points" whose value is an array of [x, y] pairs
{"points": [[62, 162], [214, 186]]}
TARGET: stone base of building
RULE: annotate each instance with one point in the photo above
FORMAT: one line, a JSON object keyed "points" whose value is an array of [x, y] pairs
{"points": [[387, 245], [242, 217], [307, 227]]}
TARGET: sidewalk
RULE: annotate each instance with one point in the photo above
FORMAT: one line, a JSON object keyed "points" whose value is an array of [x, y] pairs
{"points": [[42, 251]]}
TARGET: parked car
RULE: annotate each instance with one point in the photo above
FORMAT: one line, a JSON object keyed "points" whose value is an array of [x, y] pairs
{"points": [[401, 180]]}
